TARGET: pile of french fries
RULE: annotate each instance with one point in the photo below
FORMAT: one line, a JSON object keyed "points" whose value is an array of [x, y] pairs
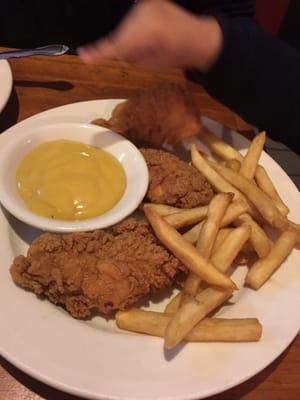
{"points": [[231, 226]]}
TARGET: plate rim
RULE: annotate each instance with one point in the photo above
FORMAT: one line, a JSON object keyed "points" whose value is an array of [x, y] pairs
{"points": [[9, 84]]}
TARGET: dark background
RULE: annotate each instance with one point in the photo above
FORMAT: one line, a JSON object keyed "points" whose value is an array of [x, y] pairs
{"points": [[32, 23]]}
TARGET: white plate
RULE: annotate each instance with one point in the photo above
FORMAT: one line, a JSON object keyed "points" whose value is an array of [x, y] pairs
{"points": [[95, 360], [6, 83]]}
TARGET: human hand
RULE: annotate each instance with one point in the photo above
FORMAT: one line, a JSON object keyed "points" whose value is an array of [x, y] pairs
{"points": [[159, 34]]}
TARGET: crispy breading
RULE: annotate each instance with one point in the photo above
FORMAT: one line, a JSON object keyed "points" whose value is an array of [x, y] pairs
{"points": [[174, 182], [97, 271], [157, 115]]}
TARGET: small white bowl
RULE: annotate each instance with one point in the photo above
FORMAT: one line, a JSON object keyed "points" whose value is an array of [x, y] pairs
{"points": [[128, 155]]}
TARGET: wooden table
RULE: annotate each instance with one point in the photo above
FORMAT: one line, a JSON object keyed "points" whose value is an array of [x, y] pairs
{"points": [[41, 84]]}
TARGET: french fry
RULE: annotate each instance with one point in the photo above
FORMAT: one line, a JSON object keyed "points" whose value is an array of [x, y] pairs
{"points": [[206, 239], [225, 330], [221, 236], [266, 185], [208, 330], [211, 173], [190, 313], [215, 214], [261, 201], [192, 235], [218, 147], [190, 287], [187, 217], [185, 251], [173, 304], [215, 179], [227, 152], [234, 210], [164, 210], [258, 238], [233, 164], [226, 253], [250, 161], [206, 300], [261, 271]]}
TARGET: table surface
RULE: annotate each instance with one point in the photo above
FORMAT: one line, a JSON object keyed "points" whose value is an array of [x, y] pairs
{"points": [[44, 83]]}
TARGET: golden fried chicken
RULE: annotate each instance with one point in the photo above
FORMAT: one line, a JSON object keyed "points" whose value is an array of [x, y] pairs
{"points": [[97, 271], [162, 114], [174, 182]]}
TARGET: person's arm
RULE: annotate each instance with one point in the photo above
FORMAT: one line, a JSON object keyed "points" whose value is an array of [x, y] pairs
{"points": [[160, 34], [258, 77], [248, 70]]}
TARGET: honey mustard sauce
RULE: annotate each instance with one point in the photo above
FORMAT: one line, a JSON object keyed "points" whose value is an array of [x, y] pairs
{"points": [[70, 180]]}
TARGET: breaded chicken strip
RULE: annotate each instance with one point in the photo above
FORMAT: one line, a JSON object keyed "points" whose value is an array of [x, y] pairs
{"points": [[174, 182], [161, 114], [98, 271]]}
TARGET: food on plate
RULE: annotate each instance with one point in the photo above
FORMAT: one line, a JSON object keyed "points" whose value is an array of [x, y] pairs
{"points": [[234, 211], [233, 164], [192, 234], [164, 210], [69, 180], [221, 149], [224, 176], [221, 236], [262, 269], [261, 201], [207, 330], [187, 217], [227, 152], [174, 182], [258, 238], [173, 304], [206, 239], [111, 270], [266, 185], [216, 180], [98, 271], [185, 251], [162, 114], [250, 161], [226, 253], [208, 298], [192, 312]]}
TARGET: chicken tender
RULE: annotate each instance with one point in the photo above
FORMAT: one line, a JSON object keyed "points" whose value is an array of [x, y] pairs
{"points": [[162, 114], [174, 182], [97, 271]]}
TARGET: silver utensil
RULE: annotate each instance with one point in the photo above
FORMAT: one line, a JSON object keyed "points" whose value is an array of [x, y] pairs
{"points": [[51, 50]]}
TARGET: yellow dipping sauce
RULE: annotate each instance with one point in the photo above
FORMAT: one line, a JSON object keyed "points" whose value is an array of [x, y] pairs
{"points": [[70, 180]]}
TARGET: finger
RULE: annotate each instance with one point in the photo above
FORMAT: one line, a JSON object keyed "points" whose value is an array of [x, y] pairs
{"points": [[106, 50], [84, 54], [87, 54], [98, 52]]}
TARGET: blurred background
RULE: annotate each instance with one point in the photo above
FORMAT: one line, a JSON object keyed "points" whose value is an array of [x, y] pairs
{"points": [[31, 23]]}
